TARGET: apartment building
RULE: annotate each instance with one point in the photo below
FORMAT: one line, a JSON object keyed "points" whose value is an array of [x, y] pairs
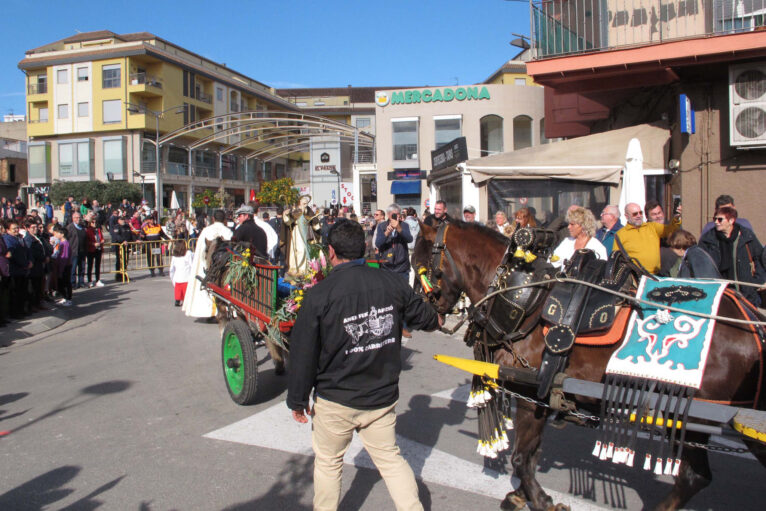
{"points": [[695, 67], [98, 102]]}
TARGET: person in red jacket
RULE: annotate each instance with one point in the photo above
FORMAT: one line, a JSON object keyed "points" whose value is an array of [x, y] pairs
{"points": [[94, 247]]}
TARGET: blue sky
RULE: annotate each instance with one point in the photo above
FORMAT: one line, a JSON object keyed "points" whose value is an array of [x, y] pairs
{"points": [[298, 43]]}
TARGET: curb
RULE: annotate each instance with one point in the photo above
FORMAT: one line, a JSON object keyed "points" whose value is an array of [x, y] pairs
{"points": [[37, 324]]}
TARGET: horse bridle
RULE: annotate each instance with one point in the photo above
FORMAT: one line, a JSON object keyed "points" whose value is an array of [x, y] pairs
{"points": [[435, 271]]}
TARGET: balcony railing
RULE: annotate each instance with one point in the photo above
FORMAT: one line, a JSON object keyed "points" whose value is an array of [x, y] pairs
{"points": [[365, 156], [38, 88], [177, 169], [204, 171], [561, 27], [145, 79], [205, 98]]}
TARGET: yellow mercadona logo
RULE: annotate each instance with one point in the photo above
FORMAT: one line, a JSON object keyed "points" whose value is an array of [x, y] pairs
{"points": [[381, 98]]}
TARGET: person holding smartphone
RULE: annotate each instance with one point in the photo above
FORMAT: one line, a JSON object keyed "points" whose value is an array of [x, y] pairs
{"points": [[391, 238]]}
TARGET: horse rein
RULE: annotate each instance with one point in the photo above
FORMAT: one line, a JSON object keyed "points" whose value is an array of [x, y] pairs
{"points": [[439, 252]]}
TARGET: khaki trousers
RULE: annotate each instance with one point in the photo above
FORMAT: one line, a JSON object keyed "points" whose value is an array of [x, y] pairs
{"points": [[333, 427]]}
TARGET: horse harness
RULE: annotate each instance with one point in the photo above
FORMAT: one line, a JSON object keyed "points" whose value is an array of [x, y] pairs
{"points": [[439, 252]]}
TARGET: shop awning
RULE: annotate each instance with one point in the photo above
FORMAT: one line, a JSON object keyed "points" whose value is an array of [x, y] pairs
{"points": [[405, 187], [599, 157]]}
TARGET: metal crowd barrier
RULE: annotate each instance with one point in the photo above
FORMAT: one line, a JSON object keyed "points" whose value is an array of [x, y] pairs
{"points": [[120, 259]]}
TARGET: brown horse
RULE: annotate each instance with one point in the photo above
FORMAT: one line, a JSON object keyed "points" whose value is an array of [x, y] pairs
{"points": [[733, 372]]}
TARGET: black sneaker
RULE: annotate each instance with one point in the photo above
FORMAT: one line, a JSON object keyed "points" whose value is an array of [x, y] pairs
{"points": [[178, 303]]}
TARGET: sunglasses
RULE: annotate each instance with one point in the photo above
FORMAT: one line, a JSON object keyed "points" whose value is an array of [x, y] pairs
{"points": [[719, 219], [637, 213]]}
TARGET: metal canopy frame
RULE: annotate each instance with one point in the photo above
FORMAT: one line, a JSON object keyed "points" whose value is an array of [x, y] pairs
{"points": [[276, 134]]}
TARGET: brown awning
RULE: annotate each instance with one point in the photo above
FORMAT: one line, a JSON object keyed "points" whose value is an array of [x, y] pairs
{"points": [[599, 157]]}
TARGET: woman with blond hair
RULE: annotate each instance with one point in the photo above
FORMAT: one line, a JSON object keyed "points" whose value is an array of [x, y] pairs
{"points": [[524, 218], [502, 226], [582, 229]]}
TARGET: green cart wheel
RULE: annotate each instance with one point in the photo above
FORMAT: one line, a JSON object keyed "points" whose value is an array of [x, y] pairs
{"points": [[240, 362]]}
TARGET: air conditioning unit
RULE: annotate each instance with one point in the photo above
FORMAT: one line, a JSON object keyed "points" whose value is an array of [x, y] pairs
{"points": [[747, 105]]}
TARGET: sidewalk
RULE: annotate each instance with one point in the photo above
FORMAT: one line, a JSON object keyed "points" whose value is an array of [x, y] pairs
{"points": [[34, 324]]}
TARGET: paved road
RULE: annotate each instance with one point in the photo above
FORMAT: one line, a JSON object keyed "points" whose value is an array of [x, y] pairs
{"points": [[123, 407]]}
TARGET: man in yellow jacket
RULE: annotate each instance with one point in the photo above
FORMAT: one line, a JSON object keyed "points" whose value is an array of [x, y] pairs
{"points": [[641, 240]]}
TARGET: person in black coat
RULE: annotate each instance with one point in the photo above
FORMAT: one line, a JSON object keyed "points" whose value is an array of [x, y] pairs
{"points": [[121, 235], [77, 237], [693, 262], [248, 231], [736, 251], [36, 254]]}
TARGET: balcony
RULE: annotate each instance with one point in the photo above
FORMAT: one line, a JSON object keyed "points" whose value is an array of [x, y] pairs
{"points": [[365, 156], [205, 98], [143, 83], [567, 27], [37, 88], [204, 171], [177, 169]]}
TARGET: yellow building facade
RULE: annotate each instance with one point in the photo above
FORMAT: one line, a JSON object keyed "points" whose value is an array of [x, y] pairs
{"points": [[96, 102]]}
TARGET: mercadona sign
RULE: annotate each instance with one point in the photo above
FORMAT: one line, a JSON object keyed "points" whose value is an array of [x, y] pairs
{"points": [[444, 94]]}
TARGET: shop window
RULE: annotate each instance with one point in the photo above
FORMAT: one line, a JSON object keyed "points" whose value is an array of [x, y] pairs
{"points": [[114, 158], [405, 139], [491, 134], [446, 130], [522, 132]]}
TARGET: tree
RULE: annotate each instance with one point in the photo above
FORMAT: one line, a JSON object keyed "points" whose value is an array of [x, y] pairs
{"points": [[280, 192], [214, 201], [113, 191]]}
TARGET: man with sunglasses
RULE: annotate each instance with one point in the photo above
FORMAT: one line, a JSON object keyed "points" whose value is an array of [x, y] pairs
{"points": [[641, 240], [736, 252]]}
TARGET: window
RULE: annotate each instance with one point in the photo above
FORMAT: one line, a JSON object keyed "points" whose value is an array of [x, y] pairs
{"points": [[65, 160], [279, 169], [522, 132], [405, 139], [82, 74], [547, 198], [82, 109], [39, 161], [83, 158], [447, 129], [62, 76], [491, 135], [112, 111], [114, 162], [219, 94], [44, 114], [362, 122], [63, 111], [520, 81], [110, 76]]}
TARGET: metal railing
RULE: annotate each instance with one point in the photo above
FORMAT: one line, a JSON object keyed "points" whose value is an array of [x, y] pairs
{"points": [[205, 98], [365, 156], [37, 88], [204, 171], [145, 79], [561, 27], [122, 259], [177, 169]]}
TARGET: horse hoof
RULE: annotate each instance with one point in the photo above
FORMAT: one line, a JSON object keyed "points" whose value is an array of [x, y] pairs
{"points": [[513, 502]]}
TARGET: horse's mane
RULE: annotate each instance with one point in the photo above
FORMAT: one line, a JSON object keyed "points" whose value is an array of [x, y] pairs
{"points": [[483, 229]]}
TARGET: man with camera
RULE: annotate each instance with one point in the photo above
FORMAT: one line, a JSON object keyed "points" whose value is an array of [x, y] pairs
{"points": [[391, 238]]}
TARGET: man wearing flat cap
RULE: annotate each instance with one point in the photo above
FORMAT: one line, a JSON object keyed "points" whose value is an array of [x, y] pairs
{"points": [[469, 214], [247, 230]]}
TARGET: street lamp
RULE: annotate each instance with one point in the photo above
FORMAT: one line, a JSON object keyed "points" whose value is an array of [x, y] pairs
{"points": [[337, 173], [133, 108], [141, 177]]}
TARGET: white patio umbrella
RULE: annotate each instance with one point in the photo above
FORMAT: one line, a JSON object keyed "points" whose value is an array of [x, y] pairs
{"points": [[174, 201], [633, 187]]}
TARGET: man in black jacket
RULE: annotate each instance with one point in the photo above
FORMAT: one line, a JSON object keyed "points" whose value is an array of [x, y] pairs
{"points": [[248, 231], [346, 345], [121, 235], [392, 238], [77, 237]]}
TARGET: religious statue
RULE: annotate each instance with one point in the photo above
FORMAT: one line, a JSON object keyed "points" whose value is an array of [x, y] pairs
{"points": [[300, 227]]}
